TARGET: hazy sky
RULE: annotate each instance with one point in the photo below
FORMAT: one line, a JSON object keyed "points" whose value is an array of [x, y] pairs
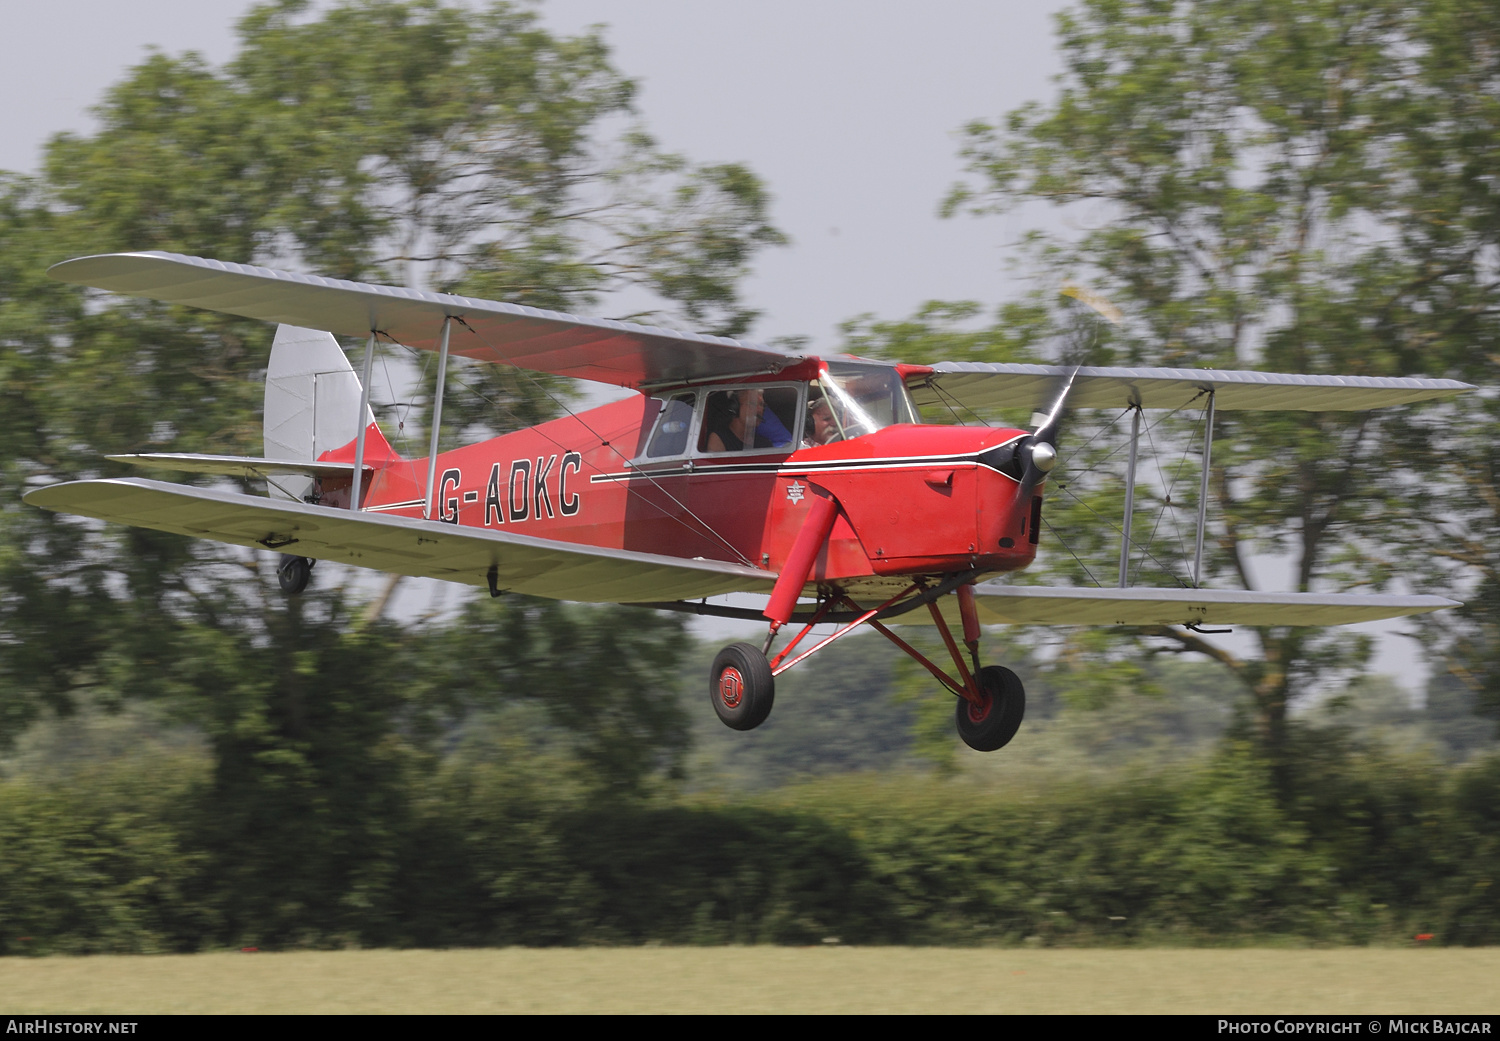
{"points": [[848, 110]]}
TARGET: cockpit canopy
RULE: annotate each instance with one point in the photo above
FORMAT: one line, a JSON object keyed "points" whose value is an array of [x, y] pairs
{"points": [[848, 399]]}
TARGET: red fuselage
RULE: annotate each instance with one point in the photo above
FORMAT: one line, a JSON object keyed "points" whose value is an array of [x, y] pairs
{"points": [[913, 499]]}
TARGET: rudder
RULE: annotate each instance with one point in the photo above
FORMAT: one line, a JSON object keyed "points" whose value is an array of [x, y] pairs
{"points": [[312, 399]]}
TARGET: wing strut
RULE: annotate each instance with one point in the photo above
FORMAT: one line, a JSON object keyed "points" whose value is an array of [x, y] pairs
{"points": [[1135, 437], [1208, 444], [364, 410], [437, 420]]}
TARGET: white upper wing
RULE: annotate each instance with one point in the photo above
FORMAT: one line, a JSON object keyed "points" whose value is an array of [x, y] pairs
{"points": [[642, 356], [431, 549], [545, 341], [978, 385]]}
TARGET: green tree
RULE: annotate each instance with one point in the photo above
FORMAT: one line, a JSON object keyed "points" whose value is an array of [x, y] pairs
{"points": [[600, 679], [1450, 222], [1244, 177], [415, 142]]}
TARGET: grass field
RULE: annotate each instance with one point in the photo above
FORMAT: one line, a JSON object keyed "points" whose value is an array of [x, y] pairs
{"points": [[764, 979]]}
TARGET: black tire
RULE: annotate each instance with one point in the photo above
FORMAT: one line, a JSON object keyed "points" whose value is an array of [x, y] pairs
{"points": [[293, 573], [741, 686], [991, 726]]}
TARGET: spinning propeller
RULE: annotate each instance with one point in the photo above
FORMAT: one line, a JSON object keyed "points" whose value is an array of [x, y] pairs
{"points": [[1037, 454]]}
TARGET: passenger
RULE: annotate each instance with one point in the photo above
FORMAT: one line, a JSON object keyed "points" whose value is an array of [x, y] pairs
{"points": [[773, 430], [741, 414]]}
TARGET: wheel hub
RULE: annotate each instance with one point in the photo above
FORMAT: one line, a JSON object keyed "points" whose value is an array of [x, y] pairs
{"points": [[979, 709], [731, 687]]}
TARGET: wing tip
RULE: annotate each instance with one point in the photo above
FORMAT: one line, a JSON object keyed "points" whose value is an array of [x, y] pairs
{"points": [[77, 270]]}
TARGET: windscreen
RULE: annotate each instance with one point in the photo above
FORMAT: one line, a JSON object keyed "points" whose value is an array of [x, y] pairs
{"points": [[860, 399]]}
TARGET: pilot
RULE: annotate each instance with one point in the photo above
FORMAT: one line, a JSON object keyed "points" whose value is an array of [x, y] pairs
{"points": [[824, 429], [742, 413]]}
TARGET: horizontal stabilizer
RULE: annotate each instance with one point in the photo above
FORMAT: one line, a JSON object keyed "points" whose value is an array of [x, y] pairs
{"points": [[1066, 605], [978, 385], [232, 465], [428, 549]]}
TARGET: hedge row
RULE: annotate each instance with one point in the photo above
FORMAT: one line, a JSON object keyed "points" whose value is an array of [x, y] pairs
{"points": [[135, 856]]}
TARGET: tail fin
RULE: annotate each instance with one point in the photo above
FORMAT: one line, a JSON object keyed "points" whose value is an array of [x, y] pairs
{"points": [[312, 402]]}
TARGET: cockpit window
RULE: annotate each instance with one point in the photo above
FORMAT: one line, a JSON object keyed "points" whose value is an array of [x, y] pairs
{"points": [[860, 399], [749, 418], [672, 427]]}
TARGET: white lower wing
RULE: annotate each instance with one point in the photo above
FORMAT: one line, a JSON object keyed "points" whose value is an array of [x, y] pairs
{"points": [[430, 549], [1065, 605]]}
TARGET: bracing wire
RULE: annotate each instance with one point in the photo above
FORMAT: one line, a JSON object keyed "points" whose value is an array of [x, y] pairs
{"points": [[1167, 502], [1146, 550], [1069, 549], [1097, 435], [1136, 544], [562, 406], [1098, 463], [953, 405], [524, 374], [403, 410]]}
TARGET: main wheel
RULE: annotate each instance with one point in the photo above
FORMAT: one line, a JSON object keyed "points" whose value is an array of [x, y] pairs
{"points": [[992, 723], [741, 686], [293, 573]]}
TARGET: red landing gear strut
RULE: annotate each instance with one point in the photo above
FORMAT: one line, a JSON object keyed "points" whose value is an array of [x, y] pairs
{"points": [[991, 702]]}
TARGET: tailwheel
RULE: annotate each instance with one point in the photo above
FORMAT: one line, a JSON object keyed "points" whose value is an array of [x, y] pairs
{"points": [[293, 572], [742, 687], [994, 721]]}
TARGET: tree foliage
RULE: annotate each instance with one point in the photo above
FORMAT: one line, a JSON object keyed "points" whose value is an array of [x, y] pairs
{"points": [[1292, 187], [413, 142], [1452, 223]]}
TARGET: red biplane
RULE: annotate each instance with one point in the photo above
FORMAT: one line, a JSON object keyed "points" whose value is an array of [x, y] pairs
{"points": [[734, 469]]}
